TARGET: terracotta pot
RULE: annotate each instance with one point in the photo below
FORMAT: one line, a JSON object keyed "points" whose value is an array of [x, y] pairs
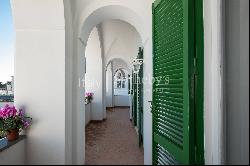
{"points": [[13, 134]]}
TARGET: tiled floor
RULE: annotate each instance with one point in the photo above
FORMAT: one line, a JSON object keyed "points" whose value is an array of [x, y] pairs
{"points": [[114, 141]]}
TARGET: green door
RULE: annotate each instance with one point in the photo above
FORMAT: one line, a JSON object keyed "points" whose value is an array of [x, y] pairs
{"points": [[140, 99], [175, 135], [135, 97]]}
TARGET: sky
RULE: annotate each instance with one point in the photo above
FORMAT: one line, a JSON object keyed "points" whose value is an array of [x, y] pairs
{"points": [[7, 38]]}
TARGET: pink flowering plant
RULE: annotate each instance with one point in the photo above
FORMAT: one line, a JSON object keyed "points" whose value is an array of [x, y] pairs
{"points": [[13, 119], [89, 97]]}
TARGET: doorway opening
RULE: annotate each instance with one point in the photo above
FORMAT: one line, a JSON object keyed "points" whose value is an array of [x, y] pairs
{"points": [[110, 50]]}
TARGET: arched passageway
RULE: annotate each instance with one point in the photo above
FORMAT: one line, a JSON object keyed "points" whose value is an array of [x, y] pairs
{"points": [[119, 42], [86, 16]]}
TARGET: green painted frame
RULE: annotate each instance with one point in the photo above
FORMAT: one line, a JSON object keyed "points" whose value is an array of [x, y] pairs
{"points": [[199, 85]]}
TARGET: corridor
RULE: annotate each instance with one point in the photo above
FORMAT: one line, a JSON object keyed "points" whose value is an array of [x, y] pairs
{"points": [[113, 141]]}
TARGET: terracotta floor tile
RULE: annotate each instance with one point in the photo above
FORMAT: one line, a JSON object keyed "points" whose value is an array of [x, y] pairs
{"points": [[114, 141]]}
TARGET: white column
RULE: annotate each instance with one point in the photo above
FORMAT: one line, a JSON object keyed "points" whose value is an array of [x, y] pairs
{"points": [[78, 111], [213, 101], [147, 96], [40, 77], [104, 88], [112, 83]]}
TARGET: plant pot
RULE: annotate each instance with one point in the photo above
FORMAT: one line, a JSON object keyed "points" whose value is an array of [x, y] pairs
{"points": [[12, 135]]}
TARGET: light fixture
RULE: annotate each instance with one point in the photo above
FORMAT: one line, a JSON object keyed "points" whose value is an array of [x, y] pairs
{"points": [[137, 65]]}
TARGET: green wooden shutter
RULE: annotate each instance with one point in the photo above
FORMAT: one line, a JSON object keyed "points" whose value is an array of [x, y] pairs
{"points": [[173, 91], [132, 95], [140, 99], [135, 112], [137, 99]]}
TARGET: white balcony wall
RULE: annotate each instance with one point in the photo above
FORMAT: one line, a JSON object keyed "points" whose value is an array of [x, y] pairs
{"points": [[14, 155]]}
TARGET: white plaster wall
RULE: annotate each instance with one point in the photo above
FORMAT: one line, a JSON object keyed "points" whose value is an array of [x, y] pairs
{"points": [[121, 40], [40, 76], [237, 81], [94, 75], [244, 82], [14, 155]]}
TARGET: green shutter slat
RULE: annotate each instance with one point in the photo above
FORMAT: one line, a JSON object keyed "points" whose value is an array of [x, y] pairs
{"points": [[165, 156], [169, 119], [174, 130], [169, 61], [172, 108], [161, 71]]}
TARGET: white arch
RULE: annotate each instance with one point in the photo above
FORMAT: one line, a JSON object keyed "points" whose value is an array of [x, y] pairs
{"points": [[119, 59], [99, 15], [95, 14]]}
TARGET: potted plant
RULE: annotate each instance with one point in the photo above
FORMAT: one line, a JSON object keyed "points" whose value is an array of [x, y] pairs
{"points": [[12, 121], [88, 97]]}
